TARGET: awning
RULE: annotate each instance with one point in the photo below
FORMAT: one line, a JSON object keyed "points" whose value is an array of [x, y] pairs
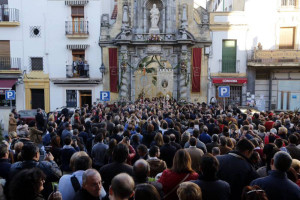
{"points": [[229, 80], [6, 84]]}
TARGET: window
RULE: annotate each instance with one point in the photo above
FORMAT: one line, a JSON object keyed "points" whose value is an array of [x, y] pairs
{"points": [[37, 64], [229, 56], [288, 2], [6, 103], [77, 11], [71, 98], [287, 36]]}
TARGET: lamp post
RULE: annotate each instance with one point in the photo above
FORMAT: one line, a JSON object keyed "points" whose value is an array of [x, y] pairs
{"points": [[102, 70]]}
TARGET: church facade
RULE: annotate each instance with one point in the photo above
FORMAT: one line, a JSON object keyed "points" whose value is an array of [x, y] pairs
{"points": [[155, 48]]}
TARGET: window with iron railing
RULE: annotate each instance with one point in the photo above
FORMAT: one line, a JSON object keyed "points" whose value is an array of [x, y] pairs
{"points": [[37, 64], [288, 3]]}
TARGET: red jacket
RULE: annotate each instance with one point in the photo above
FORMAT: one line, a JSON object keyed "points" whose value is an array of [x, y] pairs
{"points": [[170, 179]]}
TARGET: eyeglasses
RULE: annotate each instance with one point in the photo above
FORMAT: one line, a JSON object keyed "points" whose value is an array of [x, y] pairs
{"points": [[251, 191]]}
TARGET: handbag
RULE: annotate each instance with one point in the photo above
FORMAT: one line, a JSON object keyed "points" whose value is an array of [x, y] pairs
{"points": [[175, 188]]}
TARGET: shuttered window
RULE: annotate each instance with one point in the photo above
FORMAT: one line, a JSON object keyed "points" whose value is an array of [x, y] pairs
{"points": [[4, 48], [77, 11], [229, 56], [287, 36], [37, 64]]}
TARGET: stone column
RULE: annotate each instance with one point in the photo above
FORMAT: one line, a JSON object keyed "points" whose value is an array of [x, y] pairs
{"points": [[183, 76], [124, 74]]}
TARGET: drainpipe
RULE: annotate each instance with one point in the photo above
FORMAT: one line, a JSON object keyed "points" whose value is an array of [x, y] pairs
{"points": [[270, 90]]}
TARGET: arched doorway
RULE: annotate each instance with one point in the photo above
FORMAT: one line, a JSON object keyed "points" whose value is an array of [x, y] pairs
{"points": [[153, 78]]}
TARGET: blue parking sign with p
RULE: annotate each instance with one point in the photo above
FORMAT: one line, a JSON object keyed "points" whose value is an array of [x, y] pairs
{"points": [[10, 95], [224, 91], [104, 96]]}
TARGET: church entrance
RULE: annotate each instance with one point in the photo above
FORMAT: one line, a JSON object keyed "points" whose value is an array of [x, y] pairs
{"points": [[153, 78]]}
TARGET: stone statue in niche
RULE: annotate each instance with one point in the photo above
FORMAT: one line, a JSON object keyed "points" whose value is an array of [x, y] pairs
{"points": [[154, 20], [125, 19], [184, 19]]}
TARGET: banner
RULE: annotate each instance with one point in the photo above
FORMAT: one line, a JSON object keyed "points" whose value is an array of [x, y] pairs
{"points": [[113, 69], [196, 77]]}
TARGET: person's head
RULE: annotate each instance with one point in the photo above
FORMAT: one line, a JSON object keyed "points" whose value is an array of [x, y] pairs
{"points": [[122, 187], [12, 134], [296, 165], [209, 166], [67, 140], [27, 184], [159, 139], [189, 191], [282, 131], [55, 141], [166, 139], [91, 182], [4, 151], [172, 137], [120, 153], [245, 147], [193, 141], [293, 139], [142, 150], [182, 162], [30, 152], [215, 151], [99, 137], [154, 151], [196, 133], [141, 170], [215, 138], [146, 191], [254, 193], [281, 161], [80, 161], [279, 142]]}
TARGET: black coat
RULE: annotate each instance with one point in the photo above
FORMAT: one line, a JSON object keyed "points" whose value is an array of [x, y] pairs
{"points": [[236, 170], [4, 168], [109, 171], [167, 153], [82, 194]]}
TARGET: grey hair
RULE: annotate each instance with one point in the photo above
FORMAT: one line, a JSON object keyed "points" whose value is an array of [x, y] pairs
{"points": [[215, 151], [282, 161], [88, 173]]}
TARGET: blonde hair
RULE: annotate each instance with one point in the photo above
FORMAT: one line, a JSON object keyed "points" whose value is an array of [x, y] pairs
{"points": [[296, 165], [282, 130], [189, 191], [75, 156]]}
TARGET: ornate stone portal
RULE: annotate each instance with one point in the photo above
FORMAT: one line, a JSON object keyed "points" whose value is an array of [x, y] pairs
{"points": [[164, 31]]}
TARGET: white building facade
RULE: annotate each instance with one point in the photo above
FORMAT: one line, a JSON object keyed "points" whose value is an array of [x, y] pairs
{"points": [[259, 41]]}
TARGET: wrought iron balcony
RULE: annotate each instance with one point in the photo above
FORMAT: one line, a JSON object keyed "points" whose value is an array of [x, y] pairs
{"points": [[229, 66], [9, 14], [78, 71], [9, 63], [274, 57], [75, 29]]}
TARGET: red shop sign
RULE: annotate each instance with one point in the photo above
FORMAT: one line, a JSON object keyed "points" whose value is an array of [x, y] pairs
{"points": [[229, 80]]}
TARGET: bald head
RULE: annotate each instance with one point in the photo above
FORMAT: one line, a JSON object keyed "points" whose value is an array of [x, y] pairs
{"points": [[122, 186], [141, 170]]}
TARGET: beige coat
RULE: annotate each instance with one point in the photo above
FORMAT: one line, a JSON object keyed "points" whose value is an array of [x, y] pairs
{"points": [[196, 155], [35, 135], [12, 125]]}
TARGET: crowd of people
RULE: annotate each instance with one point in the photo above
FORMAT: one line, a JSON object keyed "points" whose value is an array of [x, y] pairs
{"points": [[151, 150]]}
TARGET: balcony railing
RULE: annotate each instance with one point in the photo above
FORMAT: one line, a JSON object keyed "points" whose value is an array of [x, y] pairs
{"points": [[78, 71], [9, 14], [274, 56], [77, 27], [229, 66], [8, 63]]}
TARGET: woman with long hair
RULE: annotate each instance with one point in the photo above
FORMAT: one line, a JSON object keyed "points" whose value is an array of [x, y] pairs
{"points": [[158, 140], [180, 172]]}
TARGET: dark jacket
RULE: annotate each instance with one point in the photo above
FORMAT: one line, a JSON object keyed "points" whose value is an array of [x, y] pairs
{"points": [[4, 168], [236, 170], [211, 145], [109, 171], [66, 154], [148, 138], [50, 169], [213, 189], [82, 194], [167, 153], [40, 122], [173, 131], [278, 187]]}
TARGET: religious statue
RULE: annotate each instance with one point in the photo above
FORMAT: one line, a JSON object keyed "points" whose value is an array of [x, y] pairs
{"points": [[154, 19]]}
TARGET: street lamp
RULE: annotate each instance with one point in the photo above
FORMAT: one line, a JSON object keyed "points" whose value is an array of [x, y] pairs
{"points": [[102, 69]]}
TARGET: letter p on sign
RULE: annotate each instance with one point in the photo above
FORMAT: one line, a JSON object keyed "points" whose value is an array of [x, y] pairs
{"points": [[224, 91], [104, 96]]}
